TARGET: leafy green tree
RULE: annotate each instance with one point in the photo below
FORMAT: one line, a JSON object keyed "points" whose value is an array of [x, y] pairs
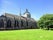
{"points": [[46, 21]]}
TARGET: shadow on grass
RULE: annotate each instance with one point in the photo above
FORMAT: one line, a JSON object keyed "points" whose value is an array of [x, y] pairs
{"points": [[48, 29], [13, 29]]}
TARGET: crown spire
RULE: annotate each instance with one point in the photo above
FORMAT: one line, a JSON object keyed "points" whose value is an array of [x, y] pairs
{"points": [[20, 11], [26, 10]]}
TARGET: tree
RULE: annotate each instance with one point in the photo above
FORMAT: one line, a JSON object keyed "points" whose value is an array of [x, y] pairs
{"points": [[46, 21]]}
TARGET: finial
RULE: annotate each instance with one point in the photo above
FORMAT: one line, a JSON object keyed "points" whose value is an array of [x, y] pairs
{"points": [[26, 10]]}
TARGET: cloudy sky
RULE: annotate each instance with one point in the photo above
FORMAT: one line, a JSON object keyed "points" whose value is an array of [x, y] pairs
{"points": [[36, 7]]}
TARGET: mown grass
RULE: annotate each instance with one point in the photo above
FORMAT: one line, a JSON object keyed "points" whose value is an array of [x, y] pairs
{"points": [[32, 34]]}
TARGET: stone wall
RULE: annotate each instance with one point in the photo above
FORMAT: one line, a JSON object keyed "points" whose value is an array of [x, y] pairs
{"points": [[17, 22]]}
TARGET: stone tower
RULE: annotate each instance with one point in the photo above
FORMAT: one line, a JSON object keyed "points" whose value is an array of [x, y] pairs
{"points": [[27, 14]]}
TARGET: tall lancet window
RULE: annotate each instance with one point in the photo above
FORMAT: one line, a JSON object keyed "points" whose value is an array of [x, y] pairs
{"points": [[21, 23], [1, 23], [9, 24], [16, 23], [27, 23]]}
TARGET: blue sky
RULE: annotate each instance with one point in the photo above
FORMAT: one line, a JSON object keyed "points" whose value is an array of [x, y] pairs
{"points": [[36, 7]]}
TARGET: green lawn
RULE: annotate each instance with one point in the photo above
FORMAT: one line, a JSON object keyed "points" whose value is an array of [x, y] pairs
{"points": [[32, 34]]}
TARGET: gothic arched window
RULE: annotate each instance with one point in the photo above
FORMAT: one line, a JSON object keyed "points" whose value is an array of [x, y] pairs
{"points": [[21, 23], [16, 23], [8, 23], [27, 23], [1, 23]]}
